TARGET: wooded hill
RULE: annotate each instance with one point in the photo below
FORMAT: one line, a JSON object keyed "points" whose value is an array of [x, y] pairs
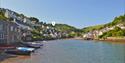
{"points": [[117, 20]]}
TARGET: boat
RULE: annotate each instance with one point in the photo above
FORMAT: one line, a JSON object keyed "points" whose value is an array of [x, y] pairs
{"points": [[44, 41], [25, 49], [36, 43], [17, 52], [19, 49], [22, 44], [32, 44]]}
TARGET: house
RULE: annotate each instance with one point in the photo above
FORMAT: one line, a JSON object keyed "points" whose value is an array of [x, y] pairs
{"points": [[9, 32], [19, 21], [9, 14], [121, 26], [23, 24], [26, 35], [30, 22], [25, 30]]}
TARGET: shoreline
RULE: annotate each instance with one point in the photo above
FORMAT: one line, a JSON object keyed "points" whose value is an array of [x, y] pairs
{"points": [[114, 39], [105, 40]]}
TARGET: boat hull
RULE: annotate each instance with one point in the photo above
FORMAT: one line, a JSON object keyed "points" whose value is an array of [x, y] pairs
{"points": [[18, 52]]}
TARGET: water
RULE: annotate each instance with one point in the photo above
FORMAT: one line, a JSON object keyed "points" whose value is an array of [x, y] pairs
{"points": [[79, 51]]}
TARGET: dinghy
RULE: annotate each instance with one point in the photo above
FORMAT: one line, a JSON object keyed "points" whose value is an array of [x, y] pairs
{"points": [[32, 44], [25, 49]]}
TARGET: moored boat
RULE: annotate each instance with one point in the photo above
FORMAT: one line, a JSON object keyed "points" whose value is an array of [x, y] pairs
{"points": [[25, 49], [17, 52], [32, 44], [12, 49]]}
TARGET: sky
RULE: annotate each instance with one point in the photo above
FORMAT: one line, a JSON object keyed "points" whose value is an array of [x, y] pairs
{"points": [[78, 13]]}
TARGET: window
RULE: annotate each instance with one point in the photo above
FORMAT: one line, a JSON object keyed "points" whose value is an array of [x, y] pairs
{"points": [[1, 36], [15, 29], [1, 26], [11, 28]]}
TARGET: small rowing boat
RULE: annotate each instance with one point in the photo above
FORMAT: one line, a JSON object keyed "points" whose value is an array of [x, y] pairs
{"points": [[25, 49]]}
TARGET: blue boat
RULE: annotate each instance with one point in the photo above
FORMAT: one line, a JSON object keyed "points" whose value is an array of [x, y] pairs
{"points": [[19, 49], [25, 49]]}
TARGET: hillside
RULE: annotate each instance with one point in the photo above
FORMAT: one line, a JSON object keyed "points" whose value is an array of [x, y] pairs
{"points": [[65, 27], [91, 28], [117, 20], [116, 32], [40, 30], [116, 28]]}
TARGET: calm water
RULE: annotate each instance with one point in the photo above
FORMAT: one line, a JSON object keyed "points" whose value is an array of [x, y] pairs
{"points": [[79, 51]]}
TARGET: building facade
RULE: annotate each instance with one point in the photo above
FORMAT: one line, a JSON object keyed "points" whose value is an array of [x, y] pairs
{"points": [[9, 32]]}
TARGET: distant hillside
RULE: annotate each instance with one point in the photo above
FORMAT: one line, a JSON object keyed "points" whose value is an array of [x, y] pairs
{"points": [[117, 20], [91, 28], [64, 27]]}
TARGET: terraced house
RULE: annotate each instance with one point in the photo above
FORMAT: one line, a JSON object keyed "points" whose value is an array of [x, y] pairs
{"points": [[13, 28], [9, 32]]}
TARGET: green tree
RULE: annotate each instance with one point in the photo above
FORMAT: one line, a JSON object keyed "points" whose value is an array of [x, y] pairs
{"points": [[34, 19]]}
